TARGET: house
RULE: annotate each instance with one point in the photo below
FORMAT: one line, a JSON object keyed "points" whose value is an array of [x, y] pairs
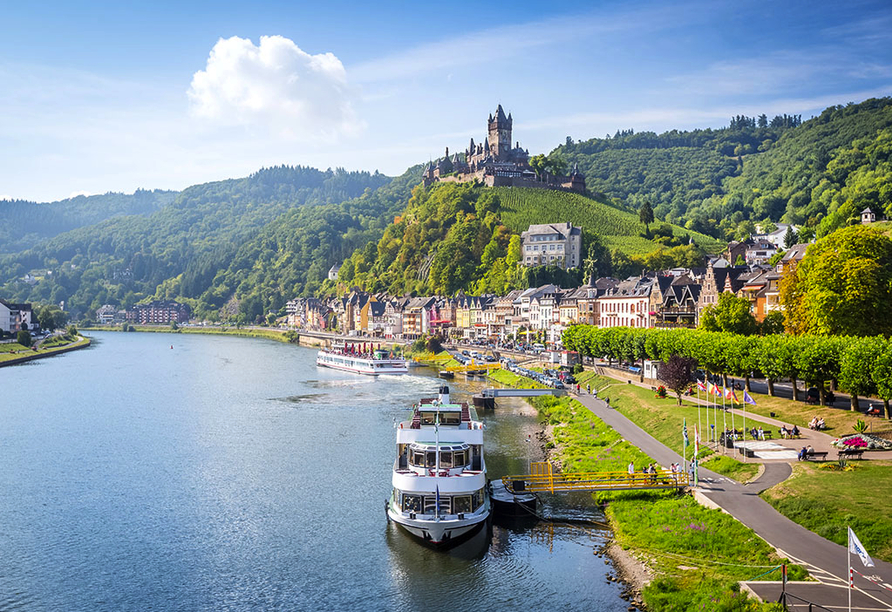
{"points": [[416, 317], [16, 317], [673, 301], [777, 237], [759, 252], [558, 244], [867, 216], [627, 304], [716, 281], [393, 318], [106, 314]]}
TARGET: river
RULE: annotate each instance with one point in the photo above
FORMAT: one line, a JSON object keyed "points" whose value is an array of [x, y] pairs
{"points": [[188, 472]]}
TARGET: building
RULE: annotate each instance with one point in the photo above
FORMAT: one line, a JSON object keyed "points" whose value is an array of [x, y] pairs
{"points": [[627, 304], [496, 163], [759, 252], [556, 244], [159, 312], [16, 317], [867, 216], [333, 272], [110, 315]]}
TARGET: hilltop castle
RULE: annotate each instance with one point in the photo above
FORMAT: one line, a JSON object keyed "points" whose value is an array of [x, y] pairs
{"points": [[497, 164]]}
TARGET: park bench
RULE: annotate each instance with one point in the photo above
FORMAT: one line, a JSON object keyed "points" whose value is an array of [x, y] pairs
{"points": [[850, 454], [821, 456]]}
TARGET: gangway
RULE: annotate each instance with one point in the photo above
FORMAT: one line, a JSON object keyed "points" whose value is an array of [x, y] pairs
{"points": [[543, 479]]}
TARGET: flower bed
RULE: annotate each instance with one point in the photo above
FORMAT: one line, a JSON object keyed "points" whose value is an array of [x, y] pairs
{"points": [[863, 441]]}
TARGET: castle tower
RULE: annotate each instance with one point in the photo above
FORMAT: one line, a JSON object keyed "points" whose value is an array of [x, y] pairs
{"points": [[499, 137]]}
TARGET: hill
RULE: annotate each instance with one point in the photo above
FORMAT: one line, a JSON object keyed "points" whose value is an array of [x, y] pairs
{"points": [[466, 237], [28, 223], [181, 246], [722, 181]]}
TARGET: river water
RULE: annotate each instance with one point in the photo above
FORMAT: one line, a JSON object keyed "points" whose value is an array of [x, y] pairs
{"points": [[186, 472]]}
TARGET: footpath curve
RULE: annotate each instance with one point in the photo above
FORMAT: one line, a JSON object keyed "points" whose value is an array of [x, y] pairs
{"points": [[825, 560]]}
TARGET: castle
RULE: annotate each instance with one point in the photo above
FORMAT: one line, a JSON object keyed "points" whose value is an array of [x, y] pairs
{"points": [[496, 164]]}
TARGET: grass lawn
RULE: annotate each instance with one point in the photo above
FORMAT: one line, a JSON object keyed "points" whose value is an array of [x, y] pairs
{"points": [[664, 419], [732, 468], [825, 500], [839, 420], [9, 352], [443, 359], [699, 554]]}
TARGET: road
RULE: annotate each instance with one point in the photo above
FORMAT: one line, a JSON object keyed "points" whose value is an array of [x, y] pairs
{"points": [[825, 560]]}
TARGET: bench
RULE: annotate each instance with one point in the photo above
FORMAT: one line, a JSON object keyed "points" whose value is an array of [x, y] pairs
{"points": [[822, 456], [853, 454]]}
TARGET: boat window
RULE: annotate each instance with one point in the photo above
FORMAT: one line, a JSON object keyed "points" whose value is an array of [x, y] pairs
{"points": [[412, 503], [478, 498], [417, 458], [450, 418], [461, 503], [459, 459], [446, 459], [427, 418], [431, 459]]}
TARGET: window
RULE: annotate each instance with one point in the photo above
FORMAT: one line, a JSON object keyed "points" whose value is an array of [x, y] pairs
{"points": [[460, 458], [412, 503], [446, 459], [461, 503], [431, 459]]}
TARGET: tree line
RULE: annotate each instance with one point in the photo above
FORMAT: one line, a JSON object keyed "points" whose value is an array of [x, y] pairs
{"points": [[861, 366]]}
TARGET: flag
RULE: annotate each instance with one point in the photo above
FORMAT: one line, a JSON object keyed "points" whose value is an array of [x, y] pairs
{"points": [[747, 399], [714, 389], [684, 432], [855, 547], [729, 394], [701, 386]]}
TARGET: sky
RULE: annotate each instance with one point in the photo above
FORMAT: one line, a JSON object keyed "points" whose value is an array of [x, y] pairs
{"points": [[103, 96]]}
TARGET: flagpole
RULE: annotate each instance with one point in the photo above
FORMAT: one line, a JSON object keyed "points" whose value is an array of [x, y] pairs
{"points": [[849, 563], [699, 424], [744, 428], [724, 422]]}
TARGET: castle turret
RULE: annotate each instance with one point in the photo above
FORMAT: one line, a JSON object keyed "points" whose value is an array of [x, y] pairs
{"points": [[499, 134]]}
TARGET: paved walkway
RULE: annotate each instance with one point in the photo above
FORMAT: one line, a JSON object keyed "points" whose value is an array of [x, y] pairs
{"points": [[825, 560]]}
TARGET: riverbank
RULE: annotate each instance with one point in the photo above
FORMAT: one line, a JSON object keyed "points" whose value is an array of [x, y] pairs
{"points": [[23, 354], [687, 555]]}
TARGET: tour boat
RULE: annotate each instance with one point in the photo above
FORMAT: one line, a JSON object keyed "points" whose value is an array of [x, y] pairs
{"points": [[360, 359], [440, 492]]}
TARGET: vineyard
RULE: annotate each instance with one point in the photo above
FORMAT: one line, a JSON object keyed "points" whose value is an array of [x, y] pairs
{"points": [[619, 229]]}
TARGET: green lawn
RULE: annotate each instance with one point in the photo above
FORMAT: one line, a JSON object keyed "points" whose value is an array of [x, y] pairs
{"points": [[824, 499], [664, 420], [732, 468], [839, 420], [10, 352]]}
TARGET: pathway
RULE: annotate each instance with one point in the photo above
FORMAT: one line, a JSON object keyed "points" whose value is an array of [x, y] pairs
{"points": [[825, 560]]}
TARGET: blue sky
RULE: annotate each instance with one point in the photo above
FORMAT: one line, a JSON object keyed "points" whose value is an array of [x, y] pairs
{"points": [[98, 97]]}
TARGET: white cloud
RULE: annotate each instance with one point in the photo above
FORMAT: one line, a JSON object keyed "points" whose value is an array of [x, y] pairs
{"points": [[274, 84]]}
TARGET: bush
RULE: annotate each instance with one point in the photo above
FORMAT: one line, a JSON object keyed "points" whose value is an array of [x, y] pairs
{"points": [[578, 369], [24, 338]]}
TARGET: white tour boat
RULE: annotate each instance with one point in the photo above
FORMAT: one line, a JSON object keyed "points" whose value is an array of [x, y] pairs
{"points": [[355, 358], [440, 490]]}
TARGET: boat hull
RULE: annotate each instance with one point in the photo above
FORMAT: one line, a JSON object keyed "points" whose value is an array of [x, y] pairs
{"points": [[442, 533]]}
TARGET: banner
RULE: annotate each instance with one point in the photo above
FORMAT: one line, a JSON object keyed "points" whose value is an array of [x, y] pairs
{"points": [[748, 399], [684, 432], [855, 547]]}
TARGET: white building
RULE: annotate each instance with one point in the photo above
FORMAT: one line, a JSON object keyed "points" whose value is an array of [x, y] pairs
{"points": [[627, 304], [558, 244], [15, 317]]}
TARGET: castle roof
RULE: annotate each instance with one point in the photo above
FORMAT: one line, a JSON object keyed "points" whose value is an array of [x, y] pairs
{"points": [[500, 115]]}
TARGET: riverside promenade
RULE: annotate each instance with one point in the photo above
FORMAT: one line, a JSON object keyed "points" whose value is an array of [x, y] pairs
{"points": [[826, 561]]}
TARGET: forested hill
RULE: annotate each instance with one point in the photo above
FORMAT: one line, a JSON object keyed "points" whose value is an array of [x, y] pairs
{"points": [[27, 223], [124, 259], [466, 237], [722, 181]]}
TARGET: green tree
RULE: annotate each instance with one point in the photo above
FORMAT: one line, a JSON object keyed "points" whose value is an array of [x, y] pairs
{"points": [[843, 286], [773, 323], [855, 375], [598, 262], [790, 237], [646, 214], [730, 314], [24, 338], [881, 373]]}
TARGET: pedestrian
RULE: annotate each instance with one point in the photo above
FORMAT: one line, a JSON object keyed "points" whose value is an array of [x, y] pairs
{"points": [[588, 388], [631, 468], [761, 433]]}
